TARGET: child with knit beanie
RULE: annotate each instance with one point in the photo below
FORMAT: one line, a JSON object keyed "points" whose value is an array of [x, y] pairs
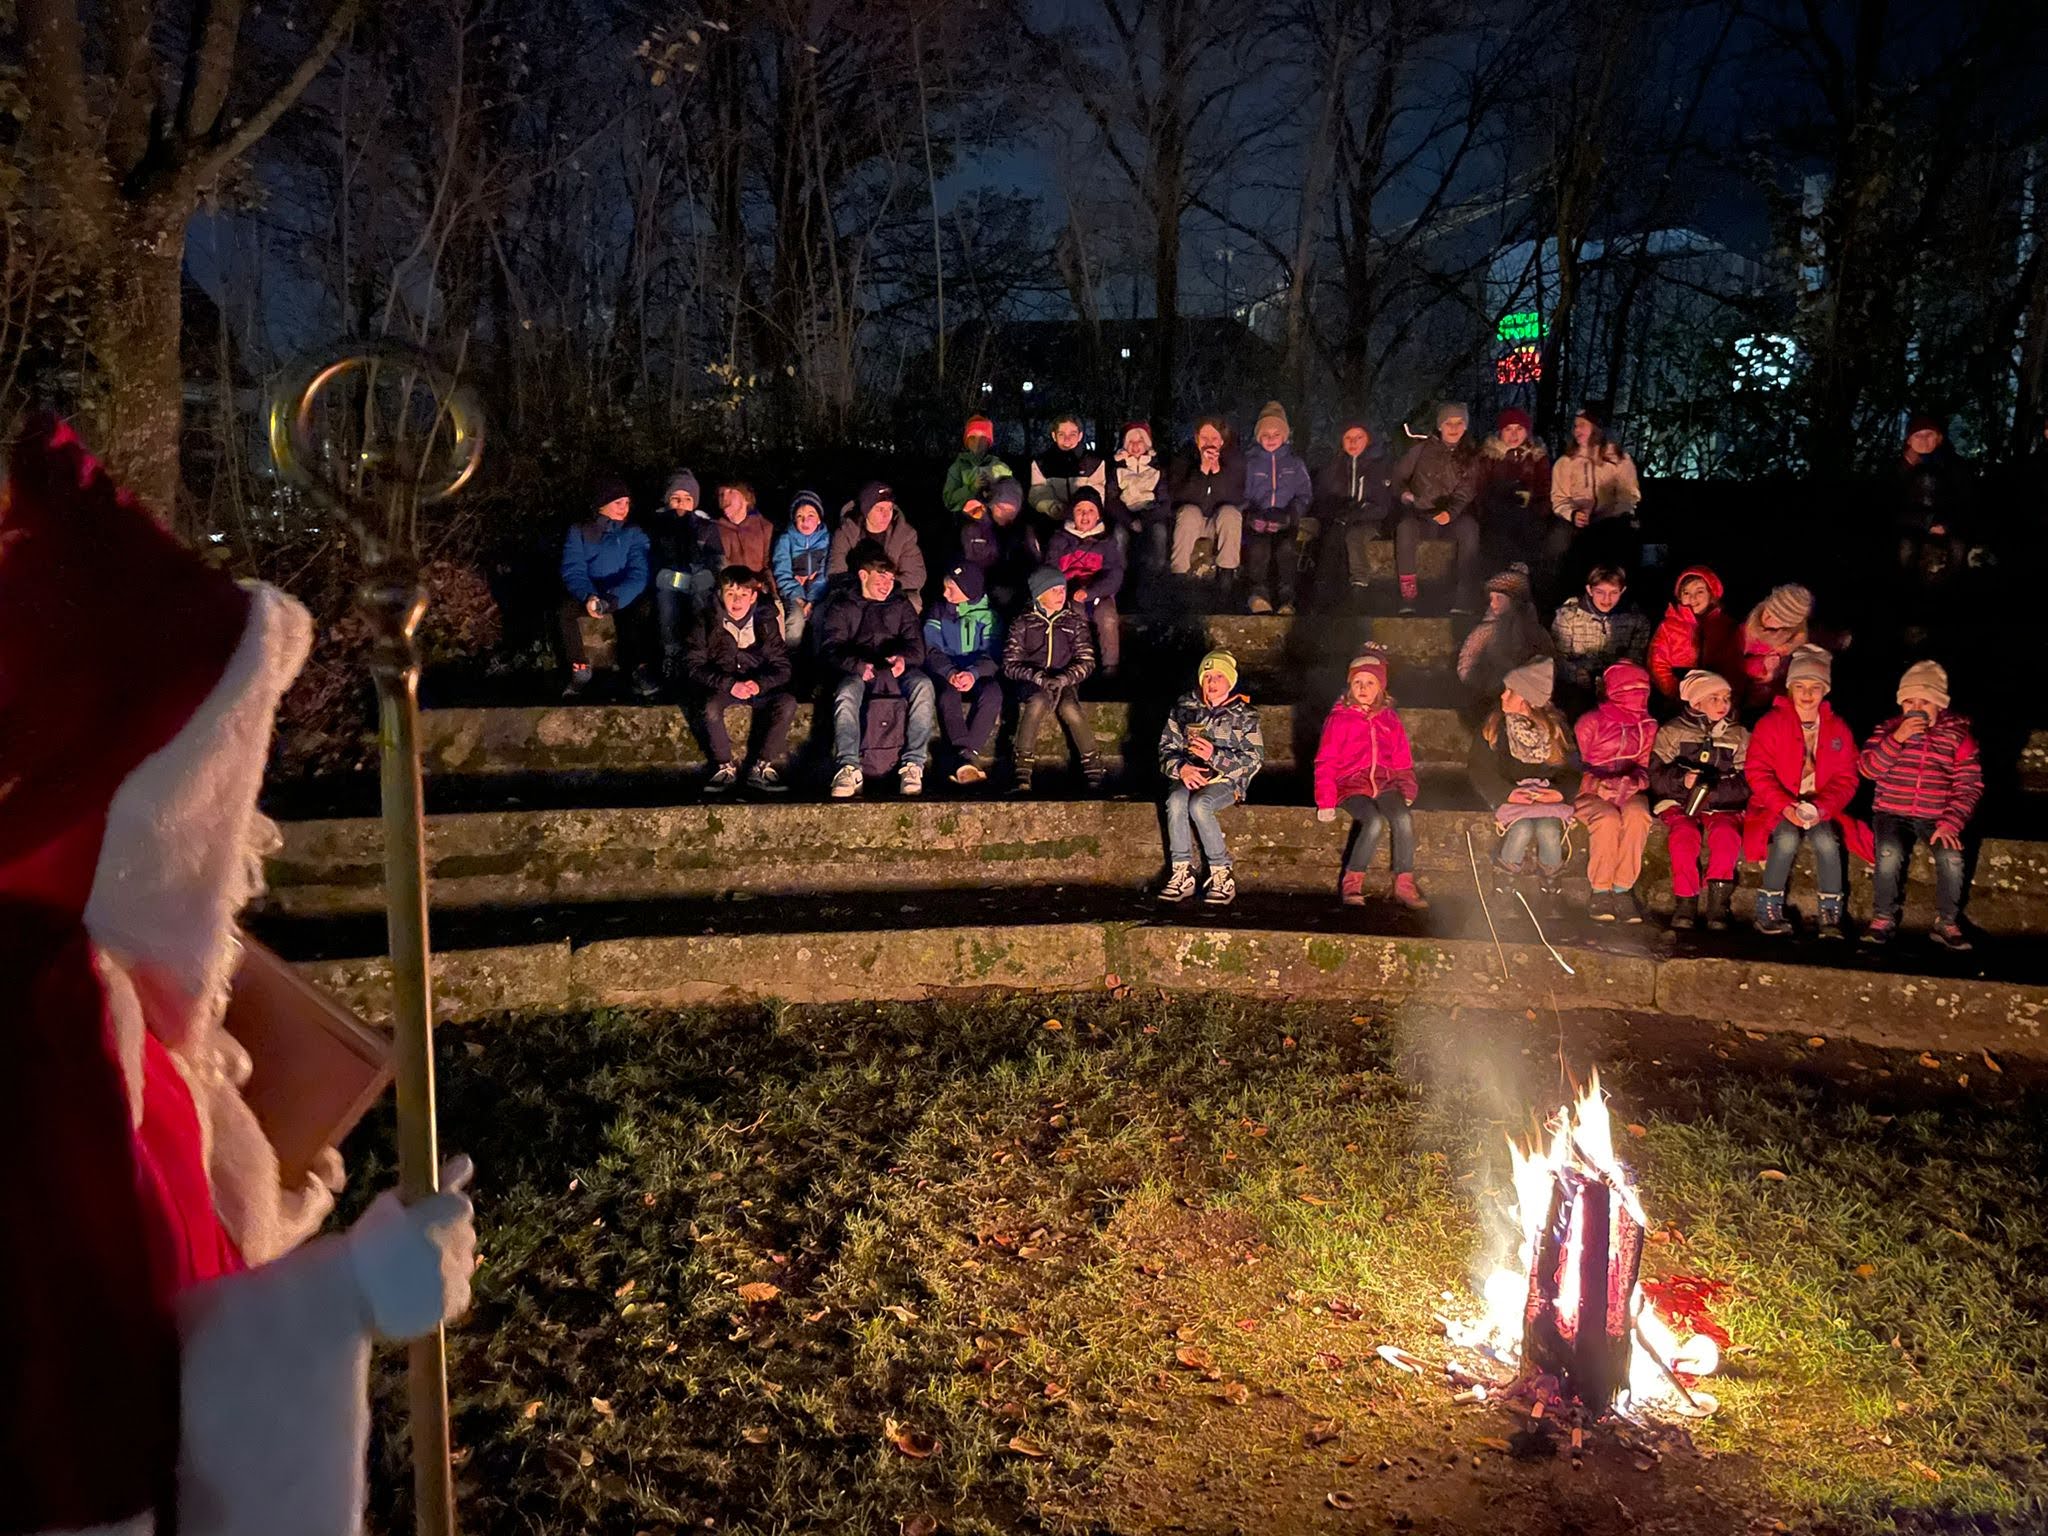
{"points": [[1365, 767], [1928, 781], [1698, 791], [1510, 633], [1209, 751], [1521, 759], [1775, 628], [1615, 738], [1802, 775]]}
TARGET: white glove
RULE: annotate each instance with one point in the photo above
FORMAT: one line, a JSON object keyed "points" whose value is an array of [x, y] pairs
{"points": [[412, 1263], [1327, 813]]}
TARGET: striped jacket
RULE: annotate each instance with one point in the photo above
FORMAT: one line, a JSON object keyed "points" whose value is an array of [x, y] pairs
{"points": [[1936, 776]]}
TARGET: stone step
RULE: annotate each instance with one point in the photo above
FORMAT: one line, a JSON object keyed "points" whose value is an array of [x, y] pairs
{"points": [[639, 739], [877, 848]]}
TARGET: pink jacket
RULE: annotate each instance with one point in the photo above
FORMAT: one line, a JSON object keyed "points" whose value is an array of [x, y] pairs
{"points": [[1616, 735], [1363, 754]]}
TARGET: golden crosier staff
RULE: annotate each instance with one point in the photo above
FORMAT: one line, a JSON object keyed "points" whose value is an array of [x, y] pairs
{"points": [[375, 477]]}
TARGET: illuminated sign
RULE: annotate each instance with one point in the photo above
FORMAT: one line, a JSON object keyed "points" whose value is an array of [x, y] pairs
{"points": [[1522, 325], [1524, 365]]}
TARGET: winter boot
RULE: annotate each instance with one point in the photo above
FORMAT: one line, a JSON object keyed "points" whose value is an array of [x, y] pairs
{"points": [[1628, 906], [1770, 914], [1409, 894], [1411, 589], [1685, 913], [1020, 778], [1094, 773], [1351, 889], [579, 679], [1180, 884], [1829, 925], [1601, 908], [1718, 892]]}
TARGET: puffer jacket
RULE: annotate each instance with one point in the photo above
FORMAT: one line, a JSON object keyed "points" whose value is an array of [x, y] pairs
{"points": [[800, 564], [1138, 488], [1691, 743], [1496, 770], [723, 653], [1775, 766], [1233, 730], [1090, 559], [1764, 654], [898, 542], [1441, 478], [1936, 775], [1589, 641], [856, 632], [1049, 653], [601, 558], [1354, 487], [1615, 737], [962, 637], [1277, 488], [1685, 640], [1514, 482], [1364, 752], [1606, 477]]}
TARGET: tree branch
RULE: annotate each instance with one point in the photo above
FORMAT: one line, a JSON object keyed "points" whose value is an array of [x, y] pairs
{"points": [[199, 174]]}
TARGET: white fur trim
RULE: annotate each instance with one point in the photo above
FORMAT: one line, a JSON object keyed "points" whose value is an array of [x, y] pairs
{"points": [[139, 1525]]}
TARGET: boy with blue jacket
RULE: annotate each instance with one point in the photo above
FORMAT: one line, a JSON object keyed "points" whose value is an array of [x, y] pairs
{"points": [[801, 564], [1277, 492], [962, 651], [606, 571]]}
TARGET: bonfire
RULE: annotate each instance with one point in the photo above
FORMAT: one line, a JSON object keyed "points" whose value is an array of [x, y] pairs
{"points": [[1569, 1314]]}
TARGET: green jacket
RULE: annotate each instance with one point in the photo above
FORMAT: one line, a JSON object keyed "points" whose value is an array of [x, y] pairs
{"points": [[970, 477], [1232, 728]]}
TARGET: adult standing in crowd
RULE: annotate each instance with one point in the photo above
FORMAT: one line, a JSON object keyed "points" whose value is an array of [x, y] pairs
{"points": [[876, 517], [1207, 486], [1435, 485]]}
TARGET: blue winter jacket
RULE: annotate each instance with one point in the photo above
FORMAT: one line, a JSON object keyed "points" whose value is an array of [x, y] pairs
{"points": [[962, 637], [1277, 487], [601, 558], [800, 560]]}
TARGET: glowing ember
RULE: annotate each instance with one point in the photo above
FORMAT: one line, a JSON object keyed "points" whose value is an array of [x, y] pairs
{"points": [[1569, 1307]]}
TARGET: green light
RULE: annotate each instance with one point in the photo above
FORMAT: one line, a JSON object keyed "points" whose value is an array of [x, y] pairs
{"points": [[1522, 325]]}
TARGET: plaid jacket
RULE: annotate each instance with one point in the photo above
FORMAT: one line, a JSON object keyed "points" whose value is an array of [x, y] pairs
{"points": [[1589, 641]]}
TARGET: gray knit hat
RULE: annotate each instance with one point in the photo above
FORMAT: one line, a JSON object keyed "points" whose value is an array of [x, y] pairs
{"points": [[1811, 663], [1450, 408], [1534, 680]]}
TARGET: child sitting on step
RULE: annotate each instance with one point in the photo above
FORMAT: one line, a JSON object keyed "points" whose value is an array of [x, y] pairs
{"points": [[1594, 631], [1209, 751], [1614, 743], [1775, 628], [737, 657], [1924, 764], [1521, 759], [1698, 791], [1802, 775], [1364, 766]]}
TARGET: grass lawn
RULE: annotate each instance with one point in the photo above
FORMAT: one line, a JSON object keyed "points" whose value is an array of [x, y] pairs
{"points": [[860, 1269]]}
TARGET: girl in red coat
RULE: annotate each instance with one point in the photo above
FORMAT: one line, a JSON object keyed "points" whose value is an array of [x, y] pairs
{"points": [[1364, 766], [1696, 632], [1802, 775], [1615, 739]]}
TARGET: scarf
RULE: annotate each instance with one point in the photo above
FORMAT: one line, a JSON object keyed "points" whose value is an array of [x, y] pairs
{"points": [[1528, 738]]}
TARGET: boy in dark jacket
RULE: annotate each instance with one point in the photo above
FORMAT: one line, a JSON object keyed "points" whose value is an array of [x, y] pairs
{"points": [[1207, 490], [1521, 760], [1928, 782], [802, 564], [1350, 505], [737, 657], [1277, 492], [1003, 543], [1088, 556], [1436, 484], [1699, 790], [605, 571], [1047, 656], [1595, 631], [869, 635], [682, 580], [1209, 751], [961, 646]]}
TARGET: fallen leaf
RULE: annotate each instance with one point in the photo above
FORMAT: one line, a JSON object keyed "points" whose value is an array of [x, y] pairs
{"points": [[817, 1316], [584, 1458], [1991, 1061], [1775, 1175], [914, 1443], [1926, 1471], [901, 1313], [647, 1199], [1313, 1200], [1337, 1498], [1324, 1360], [1755, 1034], [1195, 1358], [1024, 1446], [1009, 1412], [1865, 1271], [1054, 1391], [759, 1292], [531, 1410], [626, 1289], [1248, 1324], [602, 1405], [1054, 1024], [756, 1434], [1235, 1393], [919, 1525], [1494, 1443], [1322, 1432], [1638, 1130], [1112, 981], [1963, 1081], [1929, 1060], [1815, 1042]]}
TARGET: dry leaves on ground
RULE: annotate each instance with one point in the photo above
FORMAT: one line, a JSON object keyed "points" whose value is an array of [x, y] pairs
{"points": [[759, 1293], [1024, 1446], [1195, 1358]]}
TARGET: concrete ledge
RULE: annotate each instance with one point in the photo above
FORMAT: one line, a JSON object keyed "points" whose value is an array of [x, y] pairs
{"points": [[467, 982]]}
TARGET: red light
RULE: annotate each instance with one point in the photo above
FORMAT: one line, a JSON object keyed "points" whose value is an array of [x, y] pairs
{"points": [[1524, 365]]}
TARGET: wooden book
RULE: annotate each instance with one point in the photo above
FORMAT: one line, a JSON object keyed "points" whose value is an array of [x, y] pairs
{"points": [[317, 1067]]}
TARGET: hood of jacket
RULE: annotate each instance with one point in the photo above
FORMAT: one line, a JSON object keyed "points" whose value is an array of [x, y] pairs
{"points": [[1704, 573]]}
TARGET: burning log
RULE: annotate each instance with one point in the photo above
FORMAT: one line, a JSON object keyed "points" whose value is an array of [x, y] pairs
{"points": [[1578, 1324]]}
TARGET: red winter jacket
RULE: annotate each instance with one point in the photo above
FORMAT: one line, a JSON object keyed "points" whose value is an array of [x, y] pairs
{"points": [[1936, 775], [1616, 735], [1363, 754], [1685, 640], [1776, 762]]}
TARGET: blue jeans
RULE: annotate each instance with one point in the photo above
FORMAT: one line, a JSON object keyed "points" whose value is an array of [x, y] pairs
{"points": [[1191, 814], [1374, 815], [852, 693], [676, 606], [1895, 838], [1546, 833], [1826, 842]]}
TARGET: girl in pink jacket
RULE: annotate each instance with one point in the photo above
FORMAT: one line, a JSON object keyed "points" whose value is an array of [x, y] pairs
{"points": [[1365, 767], [1615, 738]]}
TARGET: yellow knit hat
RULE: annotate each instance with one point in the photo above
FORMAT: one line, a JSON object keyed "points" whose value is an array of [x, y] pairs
{"points": [[1218, 661]]}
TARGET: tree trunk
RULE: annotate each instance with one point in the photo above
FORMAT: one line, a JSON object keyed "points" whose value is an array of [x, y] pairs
{"points": [[1165, 296], [134, 341]]}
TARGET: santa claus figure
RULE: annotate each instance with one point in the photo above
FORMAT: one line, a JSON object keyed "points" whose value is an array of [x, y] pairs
{"points": [[181, 1352]]}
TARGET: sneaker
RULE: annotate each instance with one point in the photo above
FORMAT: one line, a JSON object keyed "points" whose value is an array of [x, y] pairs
{"points": [[1351, 889], [910, 779], [1409, 894], [1094, 773], [723, 777], [1685, 913], [969, 773], [1221, 889], [579, 679], [768, 778], [846, 782], [1880, 931], [1602, 908], [1950, 935], [1285, 610], [1180, 884], [646, 685], [1260, 605], [1628, 906]]}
